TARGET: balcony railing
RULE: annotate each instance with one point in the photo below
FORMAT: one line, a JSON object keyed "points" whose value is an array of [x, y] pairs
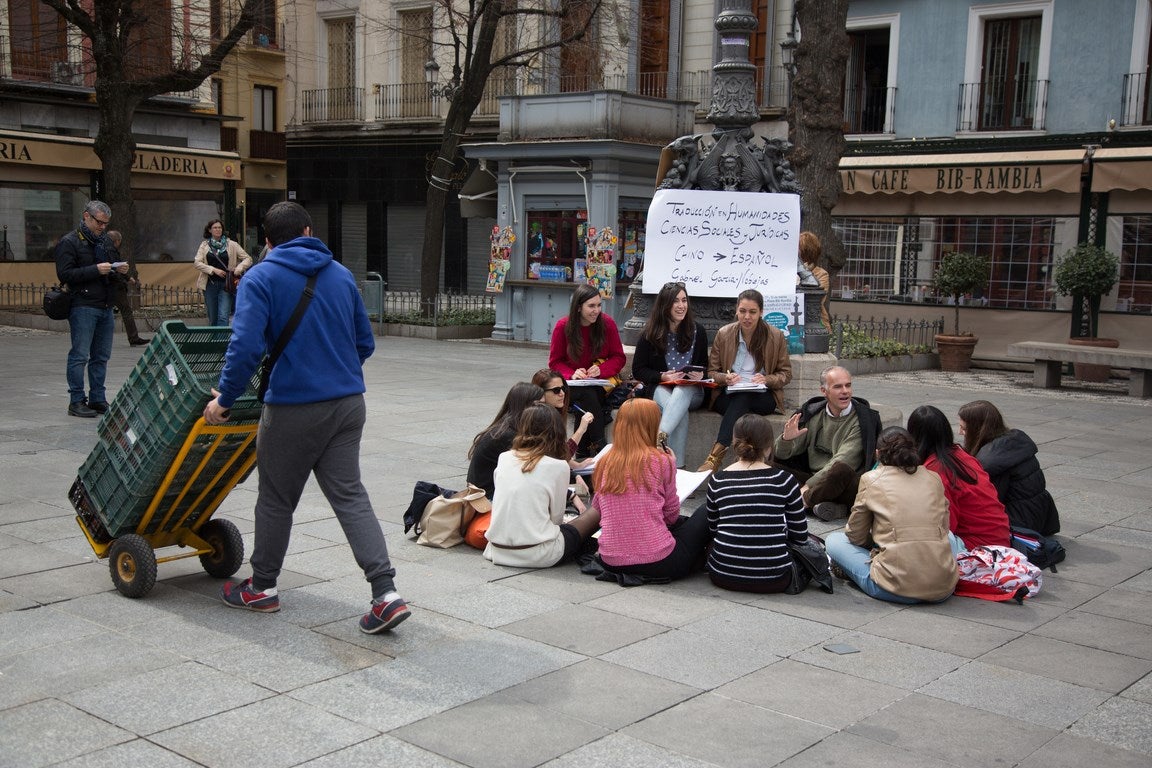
{"points": [[1134, 102], [1011, 104], [229, 141], [403, 101], [870, 110], [267, 145], [333, 105]]}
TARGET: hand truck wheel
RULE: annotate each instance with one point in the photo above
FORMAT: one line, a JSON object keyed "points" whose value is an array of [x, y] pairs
{"points": [[133, 565], [227, 553]]}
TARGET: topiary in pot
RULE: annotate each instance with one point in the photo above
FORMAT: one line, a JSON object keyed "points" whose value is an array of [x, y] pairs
{"points": [[957, 274], [1086, 273]]}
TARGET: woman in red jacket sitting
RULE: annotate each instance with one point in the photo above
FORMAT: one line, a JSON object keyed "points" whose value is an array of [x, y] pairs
{"points": [[976, 516], [586, 345]]}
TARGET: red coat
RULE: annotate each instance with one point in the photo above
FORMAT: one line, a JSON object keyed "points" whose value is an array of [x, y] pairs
{"points": [[612, 352], [974, 511]]}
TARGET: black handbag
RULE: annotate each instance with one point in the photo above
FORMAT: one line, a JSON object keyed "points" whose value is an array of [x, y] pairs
{"points": [[58, 302]]}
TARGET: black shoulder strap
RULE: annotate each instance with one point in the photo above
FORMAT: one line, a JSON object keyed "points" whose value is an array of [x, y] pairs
{"points": [[290, 328]]}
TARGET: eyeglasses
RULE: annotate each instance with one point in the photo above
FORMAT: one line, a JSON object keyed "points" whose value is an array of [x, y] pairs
{"points": [[101, 222], [555, 390]]}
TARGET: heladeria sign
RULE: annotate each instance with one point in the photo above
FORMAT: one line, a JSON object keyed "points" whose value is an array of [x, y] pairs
{"points": [[721, 243]]}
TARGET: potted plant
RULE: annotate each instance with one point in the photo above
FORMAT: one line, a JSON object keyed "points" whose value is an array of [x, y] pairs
{"points": [[1086, 273], [957, 274]]}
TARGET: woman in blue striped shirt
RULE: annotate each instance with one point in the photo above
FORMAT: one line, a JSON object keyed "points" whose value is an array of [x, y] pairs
{"points": [[754, 510]]}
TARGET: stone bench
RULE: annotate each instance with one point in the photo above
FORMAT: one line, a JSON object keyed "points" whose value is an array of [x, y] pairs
{"points": [[1049, 358]]}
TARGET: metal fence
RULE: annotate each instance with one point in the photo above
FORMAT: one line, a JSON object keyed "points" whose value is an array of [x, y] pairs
{"points": [[883, 338], [444, 309], [29, 296]]}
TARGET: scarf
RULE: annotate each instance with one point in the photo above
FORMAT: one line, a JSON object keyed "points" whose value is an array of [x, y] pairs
{"points": [[218, 252], [99, 243]]}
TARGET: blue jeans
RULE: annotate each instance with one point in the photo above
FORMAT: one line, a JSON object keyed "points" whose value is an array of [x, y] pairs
{"points": [[675, 402], [91, 329], [219, 304], [857, 564]]}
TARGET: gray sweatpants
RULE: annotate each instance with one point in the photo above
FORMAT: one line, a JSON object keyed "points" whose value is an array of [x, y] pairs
{"points": [[294, 441]]}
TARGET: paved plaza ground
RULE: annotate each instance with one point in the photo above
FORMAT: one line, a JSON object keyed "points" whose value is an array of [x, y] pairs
{"points": [[504, 668]]}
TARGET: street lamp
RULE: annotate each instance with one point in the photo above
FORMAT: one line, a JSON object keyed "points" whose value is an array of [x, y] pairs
{"points": [[432, 75], [788, 54]]}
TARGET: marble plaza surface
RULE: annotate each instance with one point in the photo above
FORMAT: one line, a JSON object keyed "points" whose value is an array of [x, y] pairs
{"points": [[503, 667]]}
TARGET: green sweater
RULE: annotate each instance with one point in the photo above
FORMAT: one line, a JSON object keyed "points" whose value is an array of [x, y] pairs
{"points": [[826, 440]]}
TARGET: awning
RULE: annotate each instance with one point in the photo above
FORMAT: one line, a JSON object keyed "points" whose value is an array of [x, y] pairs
{"points": [[478, 195], [1056, 170], [1127, 168]]}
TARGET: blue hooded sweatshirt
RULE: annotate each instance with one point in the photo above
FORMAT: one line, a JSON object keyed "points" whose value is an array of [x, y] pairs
{"points": [[324, 359]]}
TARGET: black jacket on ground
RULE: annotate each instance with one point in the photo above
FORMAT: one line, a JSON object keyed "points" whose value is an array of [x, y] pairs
{"points": [[76, 261], [1010, 461]]}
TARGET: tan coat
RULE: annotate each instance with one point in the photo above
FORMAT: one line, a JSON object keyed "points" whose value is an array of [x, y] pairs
{"points": [[238, 261], [904, 518], [777, 365]]}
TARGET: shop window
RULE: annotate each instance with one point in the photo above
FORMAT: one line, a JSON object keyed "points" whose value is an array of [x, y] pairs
{"points": [[555, 245], [871, 246], [1135, 284], [1020, 250], [39, 43]]}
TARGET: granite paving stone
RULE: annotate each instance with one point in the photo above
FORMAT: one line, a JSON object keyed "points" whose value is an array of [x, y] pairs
{"points": [[952, 732], [1119, 722], [142, 703], [1141, 690], [767, 630], [728, 732], [129, 753], [701, 662], [499, 731], [620, 751], [1128, 605], [49, 731], [658, 604], [1088, 667], [602, 693], [884, 661], [1070, 751], [381, 751], [583, 629], [1103, 632], [850, 749], [1032, 698], [940, 633], [834, 699], [237, 739]]}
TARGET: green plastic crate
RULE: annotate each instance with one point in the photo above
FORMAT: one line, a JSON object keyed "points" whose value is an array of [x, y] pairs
{"points": [[149, 419]]}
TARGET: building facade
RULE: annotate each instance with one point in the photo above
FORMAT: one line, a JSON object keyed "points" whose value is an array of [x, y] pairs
{"points": [[1013, 129], [183, 175]]}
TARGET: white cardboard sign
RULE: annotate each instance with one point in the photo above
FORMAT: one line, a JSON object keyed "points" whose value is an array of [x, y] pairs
{"points": [[721, 243]]}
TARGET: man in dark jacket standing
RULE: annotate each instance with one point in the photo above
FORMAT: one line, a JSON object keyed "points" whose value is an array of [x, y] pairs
{"points": [[82, 264], [314, 410], [828, 444]]}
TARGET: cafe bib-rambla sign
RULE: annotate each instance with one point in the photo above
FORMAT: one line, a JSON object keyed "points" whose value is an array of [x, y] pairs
{"points": [[721, 243], [961, 178]]}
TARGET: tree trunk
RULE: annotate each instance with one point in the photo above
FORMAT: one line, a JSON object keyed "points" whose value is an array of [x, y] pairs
{"points": [[816, 119], [116, 149]]}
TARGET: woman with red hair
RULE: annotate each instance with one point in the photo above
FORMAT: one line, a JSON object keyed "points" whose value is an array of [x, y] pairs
{"points": [[642, 532]]}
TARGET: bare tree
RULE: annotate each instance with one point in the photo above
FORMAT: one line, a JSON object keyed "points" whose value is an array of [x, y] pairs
{"points": [[816, 119], [136, 55], [472, 29]]}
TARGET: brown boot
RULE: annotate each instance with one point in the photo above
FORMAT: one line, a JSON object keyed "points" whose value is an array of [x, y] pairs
{"points": [[712, 463]]}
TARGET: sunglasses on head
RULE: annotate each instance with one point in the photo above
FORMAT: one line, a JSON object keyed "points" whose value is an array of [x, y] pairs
{"points": [[673, 285], [555, 390]]}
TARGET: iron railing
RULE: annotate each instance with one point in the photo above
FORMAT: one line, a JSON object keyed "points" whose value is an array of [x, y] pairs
{"points": [[883, 338], [1008, 104], [333, 105], [447, 308], [400, 101], [1134, 102], [268, 145], [870, 110], [29, 297]]}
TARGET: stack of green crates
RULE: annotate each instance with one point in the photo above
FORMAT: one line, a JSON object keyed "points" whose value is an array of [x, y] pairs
{"points": [[147, 423]]}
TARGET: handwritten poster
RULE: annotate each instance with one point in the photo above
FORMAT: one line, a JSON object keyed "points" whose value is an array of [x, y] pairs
{"points": [[721, 243]]}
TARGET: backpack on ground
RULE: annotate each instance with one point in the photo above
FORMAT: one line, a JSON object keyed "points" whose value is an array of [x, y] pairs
{"points": [[997, 573], [1042, 551]]}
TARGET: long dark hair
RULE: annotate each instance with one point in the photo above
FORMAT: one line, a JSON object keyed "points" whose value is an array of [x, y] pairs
{"points": [[518, 398], [760, 333], [660, 323], [933, 436], [583, 293], [540, 433], [894, 448], [983, 423]]}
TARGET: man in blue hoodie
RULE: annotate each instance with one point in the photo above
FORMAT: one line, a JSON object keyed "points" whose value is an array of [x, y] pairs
{"points": [[314, 411]]}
